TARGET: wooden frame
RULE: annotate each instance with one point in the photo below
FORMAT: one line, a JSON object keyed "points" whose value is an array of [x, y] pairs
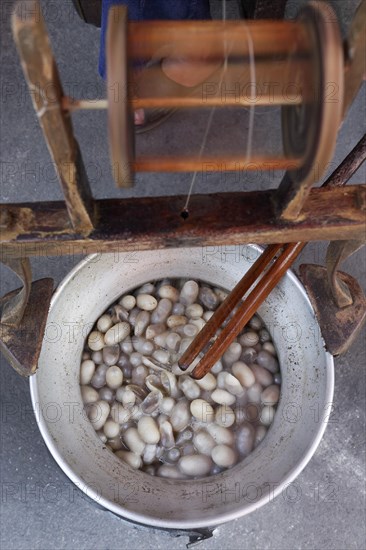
{"points": [[43, 80], [83, 225], [219, 219], [89, 225]]}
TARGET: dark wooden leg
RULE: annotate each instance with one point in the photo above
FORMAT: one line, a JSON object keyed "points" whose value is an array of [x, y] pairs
{"points": [[262, 9], [348, 166], [90, 11]]}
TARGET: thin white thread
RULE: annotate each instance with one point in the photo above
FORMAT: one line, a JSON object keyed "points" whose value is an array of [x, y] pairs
{"points": [[253, 78], [208, 127], [210, 118], [252, 106]]}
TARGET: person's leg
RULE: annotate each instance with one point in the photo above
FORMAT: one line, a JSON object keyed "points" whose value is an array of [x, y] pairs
{"points": [[176, 9], [180, 70], [147, 10]]}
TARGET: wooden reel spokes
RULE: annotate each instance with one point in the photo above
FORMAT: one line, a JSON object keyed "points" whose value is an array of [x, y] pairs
{"points": [[310, 129], [303, 59], [120, 113], [306, 52]]}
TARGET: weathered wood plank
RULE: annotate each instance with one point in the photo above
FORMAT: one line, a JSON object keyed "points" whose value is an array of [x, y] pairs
{"points": [[155, 222], [39, 67]]}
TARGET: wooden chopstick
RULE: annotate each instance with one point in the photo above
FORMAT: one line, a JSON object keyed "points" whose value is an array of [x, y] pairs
{"points": [[339, 178], [245, 310], [227, 306]]}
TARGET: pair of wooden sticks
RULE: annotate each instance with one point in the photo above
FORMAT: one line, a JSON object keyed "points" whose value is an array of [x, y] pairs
{"points": [[266, 272], [266, 275]]}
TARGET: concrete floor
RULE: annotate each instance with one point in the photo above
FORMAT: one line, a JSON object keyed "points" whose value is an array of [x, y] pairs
{"points": [[40, 508]]}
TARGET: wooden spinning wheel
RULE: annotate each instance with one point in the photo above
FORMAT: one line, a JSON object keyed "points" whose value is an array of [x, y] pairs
{"points": [[311, 48]]}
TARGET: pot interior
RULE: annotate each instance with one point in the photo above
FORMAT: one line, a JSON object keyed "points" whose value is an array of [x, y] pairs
{"points": [[306, 393]]}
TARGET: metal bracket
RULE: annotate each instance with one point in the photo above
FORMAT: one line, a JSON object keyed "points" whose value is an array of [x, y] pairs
{"points": [[21, 344], [337, 298], [23, 315], [338, 252], [13, 305]]}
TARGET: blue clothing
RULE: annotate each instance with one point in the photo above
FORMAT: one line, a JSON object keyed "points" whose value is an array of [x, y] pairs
{"points": [[147, 10]]}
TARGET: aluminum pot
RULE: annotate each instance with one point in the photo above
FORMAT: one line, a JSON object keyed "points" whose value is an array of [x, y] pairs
{"points": [[300, 420]]}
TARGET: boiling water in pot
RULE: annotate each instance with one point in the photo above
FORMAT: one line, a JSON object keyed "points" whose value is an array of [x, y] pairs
{"points": [[158, 419]]}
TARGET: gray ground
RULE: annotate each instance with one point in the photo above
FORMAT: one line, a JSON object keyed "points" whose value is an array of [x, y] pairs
{"points": [[40, 509]]}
